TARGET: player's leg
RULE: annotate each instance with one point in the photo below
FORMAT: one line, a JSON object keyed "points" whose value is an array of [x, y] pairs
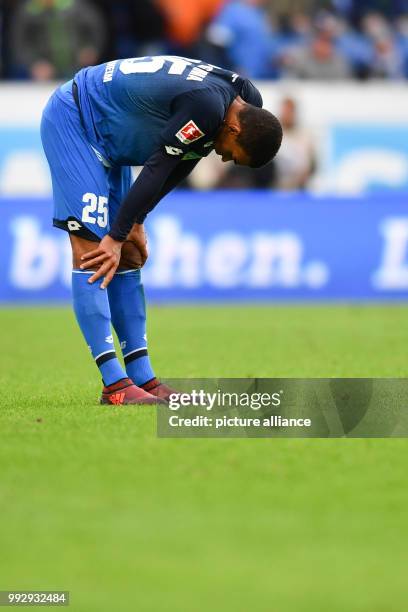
{"points": [[81, 194], [126, 296], [92, 311], [128, 304], [91, 307]]}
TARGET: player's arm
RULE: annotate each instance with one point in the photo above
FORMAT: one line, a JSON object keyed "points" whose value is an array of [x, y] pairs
{"points": [[177, 176], [160, 174], [137, 234]]}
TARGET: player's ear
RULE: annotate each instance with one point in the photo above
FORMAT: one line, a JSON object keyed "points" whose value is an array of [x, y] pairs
{"points": [[233, 129]]}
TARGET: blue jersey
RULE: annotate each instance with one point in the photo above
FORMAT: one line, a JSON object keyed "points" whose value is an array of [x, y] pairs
{"points": [[160, 112], [135, 107]]}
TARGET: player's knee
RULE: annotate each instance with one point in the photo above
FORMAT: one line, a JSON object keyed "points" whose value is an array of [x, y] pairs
{"points": [[131, 258]]}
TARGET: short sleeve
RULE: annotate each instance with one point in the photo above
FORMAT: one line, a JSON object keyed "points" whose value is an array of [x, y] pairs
{"points": [[196, 115]]}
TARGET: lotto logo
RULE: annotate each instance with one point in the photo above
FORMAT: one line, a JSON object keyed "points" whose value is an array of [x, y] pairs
{"points": [[173, 150], [73, 226], [189, 133]]}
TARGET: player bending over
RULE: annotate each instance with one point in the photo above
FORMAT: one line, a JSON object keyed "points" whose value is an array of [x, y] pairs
{"points": [[164, 113]]}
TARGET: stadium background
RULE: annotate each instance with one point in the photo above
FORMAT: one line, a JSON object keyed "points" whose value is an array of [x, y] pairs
{"points": [[339, 231], [236, 258]]}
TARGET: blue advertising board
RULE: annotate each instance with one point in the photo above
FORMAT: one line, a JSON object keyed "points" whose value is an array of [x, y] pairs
{"points": [[230, 246]]}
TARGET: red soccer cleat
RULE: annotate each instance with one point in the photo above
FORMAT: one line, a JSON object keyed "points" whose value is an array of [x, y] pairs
{"points": [[125, 392], [159, 389]]}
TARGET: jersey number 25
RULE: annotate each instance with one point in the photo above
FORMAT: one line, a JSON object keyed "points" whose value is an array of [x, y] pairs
{"points": [[154, 64], [95, 204]]}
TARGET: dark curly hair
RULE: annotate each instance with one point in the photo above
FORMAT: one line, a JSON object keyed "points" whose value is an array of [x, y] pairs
{"points": [[260, 136]]}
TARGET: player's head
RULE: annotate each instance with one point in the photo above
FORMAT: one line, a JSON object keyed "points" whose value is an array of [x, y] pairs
{"points": [[249, 136]]}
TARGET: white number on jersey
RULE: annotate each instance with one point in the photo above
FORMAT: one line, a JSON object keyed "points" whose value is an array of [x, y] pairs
{"points": [[99, 205], [150, 65]]}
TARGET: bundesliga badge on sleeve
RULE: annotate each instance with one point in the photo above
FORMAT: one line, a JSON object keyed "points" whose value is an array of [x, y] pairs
{"points": [[189, 133]]}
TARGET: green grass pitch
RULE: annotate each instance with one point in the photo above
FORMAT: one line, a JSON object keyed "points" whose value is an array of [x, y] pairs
{"points": [[92, 502]]}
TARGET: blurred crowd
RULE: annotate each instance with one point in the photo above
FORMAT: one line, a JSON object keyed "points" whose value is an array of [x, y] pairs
{"points": [[45, 40], [262, 39]]}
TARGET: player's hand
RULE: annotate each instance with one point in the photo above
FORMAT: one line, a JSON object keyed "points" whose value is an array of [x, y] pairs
{"points": [[107, 257], [137, 236]]}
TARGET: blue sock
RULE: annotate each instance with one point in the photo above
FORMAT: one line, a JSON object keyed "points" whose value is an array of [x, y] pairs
{"points": [[128, 309], [91, 307]]}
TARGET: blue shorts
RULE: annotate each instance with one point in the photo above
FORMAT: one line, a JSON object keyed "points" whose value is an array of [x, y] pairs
{"points": [[87, 192]]}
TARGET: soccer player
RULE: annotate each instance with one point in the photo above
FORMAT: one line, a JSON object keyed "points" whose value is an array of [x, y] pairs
{"points": [[164, 113]]}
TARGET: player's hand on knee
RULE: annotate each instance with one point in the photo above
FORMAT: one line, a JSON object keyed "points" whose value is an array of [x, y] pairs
{"points": [[137, 236], [131, 258], [107, 257]]}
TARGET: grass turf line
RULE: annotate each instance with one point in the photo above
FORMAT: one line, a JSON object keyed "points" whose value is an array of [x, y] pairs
{"points": [[92, 502]]}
